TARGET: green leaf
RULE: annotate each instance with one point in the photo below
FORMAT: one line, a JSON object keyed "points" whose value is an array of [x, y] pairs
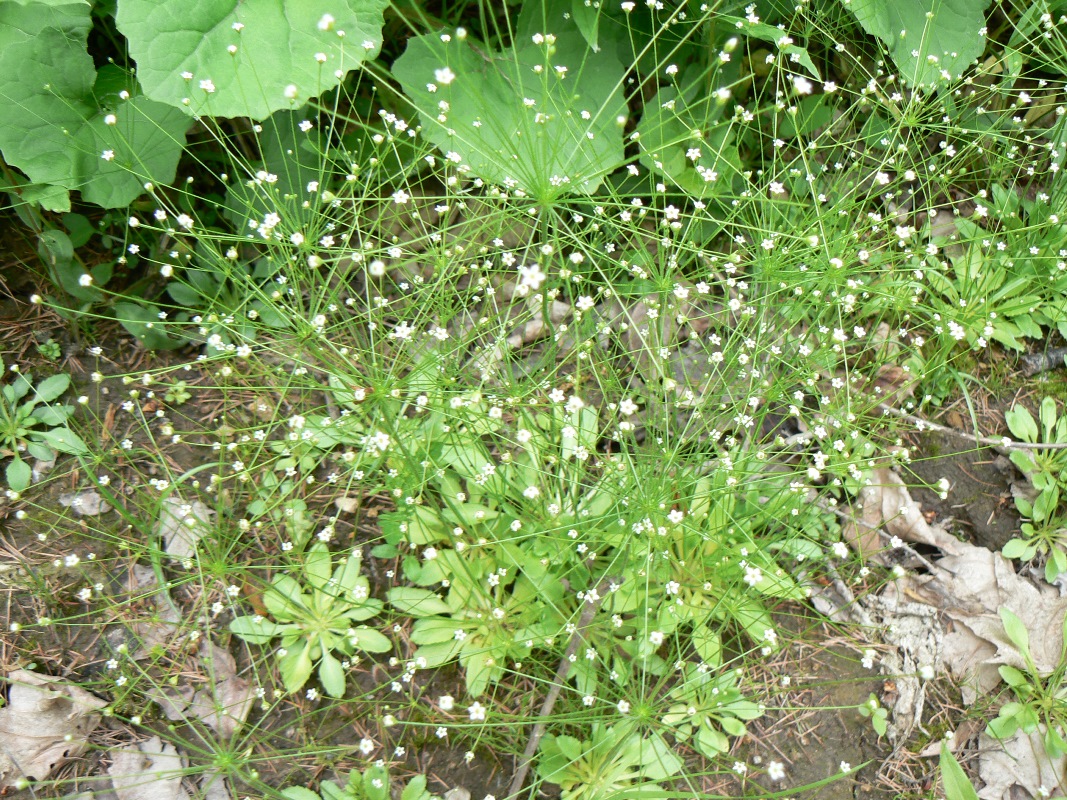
{"points": [[1021, 424], [1056, 564], [276, 48], [776, 36], [296, 666], [711, 742], [299, 793], [1012, 676], [418, 602], [290, 154], [416, 789], [318, 565], [332, 675], [925, 38], [63, 440], [147, 139], [481, 668], [434, 630], [40, 451], [686, 138], [708, 645], [376, 783], [371, 641], [1016, 631], [878, 722], [254, 630], [18, 475], [142, 321], [1047, 415], [586, 15], [438, 653], [542, 133], [58, 136], [1002, 727], [51, 388], [347, 576], [284, 597], [52, 415], [1018, 549], [658, 759], [953, 779]]}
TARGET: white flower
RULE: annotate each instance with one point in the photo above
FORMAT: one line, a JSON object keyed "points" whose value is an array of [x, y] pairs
{"points": [[445, 702], [775, 770], [627, 407], [108, 155], [753, 575], [623, 706], [86, 279], [444, 76], [326, 22], [532, 276], [476, 711], [656, 637], [207, 85], [110, 119], [366, 746]]}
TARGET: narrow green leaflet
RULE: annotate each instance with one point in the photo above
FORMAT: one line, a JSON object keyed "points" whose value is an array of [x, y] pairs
{"points": [[957, 787], [292, 155], [63, 136], [927, 40], [234, 58], [780, 38], [684, 138], [542, 117]]}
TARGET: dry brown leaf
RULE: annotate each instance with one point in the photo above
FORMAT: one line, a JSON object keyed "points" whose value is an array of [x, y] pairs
{"points": [[886, 504], [213, 786], [85, 504], [150, 770], [893, 385], [44, 723], [181, 525], [346, 504], [969, 588], [1019, 761], [222, 705]]}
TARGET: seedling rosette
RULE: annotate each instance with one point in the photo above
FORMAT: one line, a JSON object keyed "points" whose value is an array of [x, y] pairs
{"points": [[316, 619], [31, 424]]}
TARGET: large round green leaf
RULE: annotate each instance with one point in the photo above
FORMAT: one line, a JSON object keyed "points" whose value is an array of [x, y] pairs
{"points": [[236, 58], [928, 41], [58, 132], [543, 116]]}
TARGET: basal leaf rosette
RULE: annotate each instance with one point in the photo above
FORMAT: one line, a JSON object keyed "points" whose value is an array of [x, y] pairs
{"points": [[316, 618], [543, 117], [237, 58]]}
